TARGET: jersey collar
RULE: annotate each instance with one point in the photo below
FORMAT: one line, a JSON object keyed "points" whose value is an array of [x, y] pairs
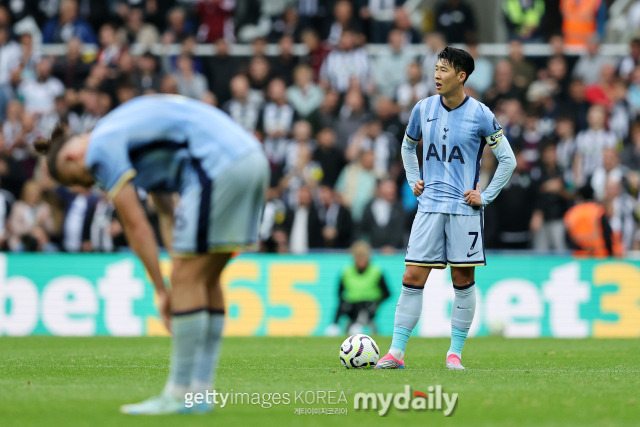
{"points": [[449, 109]]}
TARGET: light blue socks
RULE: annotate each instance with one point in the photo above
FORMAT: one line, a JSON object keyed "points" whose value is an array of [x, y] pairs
{"points": [[196, 343], [408, 313], [206, 358], [462, 312], [189, 330]]}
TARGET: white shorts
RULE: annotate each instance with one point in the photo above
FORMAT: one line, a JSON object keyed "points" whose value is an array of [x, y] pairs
{"points": [[439, 239], [221, 214]]}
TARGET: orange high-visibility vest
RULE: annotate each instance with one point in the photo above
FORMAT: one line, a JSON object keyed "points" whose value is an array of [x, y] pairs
{"points": [[579, 20], [583, 223]]}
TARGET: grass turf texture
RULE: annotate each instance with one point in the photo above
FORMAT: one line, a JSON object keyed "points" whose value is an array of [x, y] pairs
{"points": [[83, 381]]}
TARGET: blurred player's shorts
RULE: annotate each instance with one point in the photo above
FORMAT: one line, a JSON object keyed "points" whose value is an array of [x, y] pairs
{"points": [[222, 214]]}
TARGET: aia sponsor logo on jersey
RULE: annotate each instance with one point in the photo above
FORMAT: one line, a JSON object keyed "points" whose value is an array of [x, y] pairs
{"points": [[454, 154]]}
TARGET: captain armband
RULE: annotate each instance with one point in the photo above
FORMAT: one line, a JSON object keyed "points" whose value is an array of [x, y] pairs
{"points": [[494, 139]]}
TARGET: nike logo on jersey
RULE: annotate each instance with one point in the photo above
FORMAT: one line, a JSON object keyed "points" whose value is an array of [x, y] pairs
{"points": [[430, 120], [470, 255]]}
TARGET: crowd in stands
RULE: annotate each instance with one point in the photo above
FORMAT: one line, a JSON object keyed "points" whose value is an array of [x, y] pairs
{"points": [[331, 120]]}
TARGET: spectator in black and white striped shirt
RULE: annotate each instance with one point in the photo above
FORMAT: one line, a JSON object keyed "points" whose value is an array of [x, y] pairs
{"points": [[381, 14], [352, 115], [245, 104], [388, 71], [409, 93], [346, 63], [590, 144], [277, 121], [344, 19]]}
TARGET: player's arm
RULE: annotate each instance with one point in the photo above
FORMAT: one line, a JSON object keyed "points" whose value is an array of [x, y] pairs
{"points": [[492, 132], [409, 158], [142, 240], [108, 160], [500, 148], [410, 161], [139, 232]]}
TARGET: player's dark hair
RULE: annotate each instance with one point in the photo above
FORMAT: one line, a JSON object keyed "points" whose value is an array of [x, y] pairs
{"points": [[51, 147], [459, 59]]}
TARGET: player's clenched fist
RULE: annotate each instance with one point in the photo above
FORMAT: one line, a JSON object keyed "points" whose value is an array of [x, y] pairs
{"points": [[418, 188], [472, 197]]}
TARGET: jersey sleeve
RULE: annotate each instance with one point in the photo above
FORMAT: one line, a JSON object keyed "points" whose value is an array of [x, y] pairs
{"points": [[414, 128], [110, 166], [493, 134], [490, 129]]}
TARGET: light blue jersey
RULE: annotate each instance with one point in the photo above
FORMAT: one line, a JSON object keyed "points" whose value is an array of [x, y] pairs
{"points": [[453, 141], [163, 141]]}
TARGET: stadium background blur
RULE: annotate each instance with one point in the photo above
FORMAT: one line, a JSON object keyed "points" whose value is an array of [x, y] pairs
{"points": [[327, 86]]}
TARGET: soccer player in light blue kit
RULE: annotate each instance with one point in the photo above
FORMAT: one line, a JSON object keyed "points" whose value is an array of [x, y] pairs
{"points": [[166, 145], [448, 228]]}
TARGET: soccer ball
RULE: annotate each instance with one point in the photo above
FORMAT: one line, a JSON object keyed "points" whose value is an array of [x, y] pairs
{"points": [[359, 351]]}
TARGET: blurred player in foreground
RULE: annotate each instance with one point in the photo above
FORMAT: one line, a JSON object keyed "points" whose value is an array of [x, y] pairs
{"points": [[448, 228], [168, 144]]}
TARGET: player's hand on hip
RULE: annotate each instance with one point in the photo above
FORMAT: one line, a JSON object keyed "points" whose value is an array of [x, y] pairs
{"points": [[472, 197], [418, 188]]}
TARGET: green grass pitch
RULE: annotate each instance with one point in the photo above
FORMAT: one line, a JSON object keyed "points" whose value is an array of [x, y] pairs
{"points": [[539, 382]]}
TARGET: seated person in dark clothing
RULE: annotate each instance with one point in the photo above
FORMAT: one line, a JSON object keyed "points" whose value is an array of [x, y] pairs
{"points": [[335, 219], [383, 219], [79, 208], [362, 289]]}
